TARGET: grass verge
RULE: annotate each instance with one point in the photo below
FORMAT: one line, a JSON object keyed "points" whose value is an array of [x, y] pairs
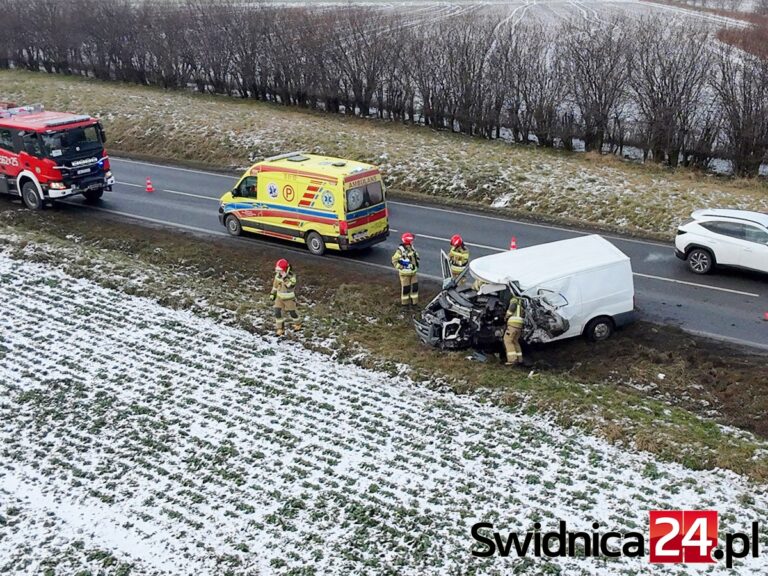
{"points": [[353, 314], [585, 189]]}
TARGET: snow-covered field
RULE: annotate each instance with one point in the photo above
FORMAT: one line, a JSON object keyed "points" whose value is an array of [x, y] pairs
{"points": [[425, 12], [138, 439]]}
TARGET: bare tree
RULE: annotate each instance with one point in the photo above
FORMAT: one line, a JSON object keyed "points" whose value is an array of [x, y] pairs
{"points": [[594, 62], [466, 49], [741, 86], [361, 50], [540, 83], [164, 36], [606, 82], [668, 78]]}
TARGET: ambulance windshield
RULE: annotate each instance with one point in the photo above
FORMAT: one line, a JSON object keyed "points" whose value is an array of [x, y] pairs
{"points": [[364, 196]]}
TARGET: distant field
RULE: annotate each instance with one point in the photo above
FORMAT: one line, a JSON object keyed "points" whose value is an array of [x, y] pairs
{"points": [[425, 12]]}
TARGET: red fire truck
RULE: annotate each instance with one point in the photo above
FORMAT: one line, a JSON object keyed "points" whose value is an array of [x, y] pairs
{"points": [[46, 156]]}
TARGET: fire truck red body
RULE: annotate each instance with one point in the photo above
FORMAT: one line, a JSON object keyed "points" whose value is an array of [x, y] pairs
{"points": [[51, 155]]}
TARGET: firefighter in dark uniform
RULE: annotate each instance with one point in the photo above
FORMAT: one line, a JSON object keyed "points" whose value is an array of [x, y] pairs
{"points": [[512, 333], [458, 257], [406, 262], [284, 297]]}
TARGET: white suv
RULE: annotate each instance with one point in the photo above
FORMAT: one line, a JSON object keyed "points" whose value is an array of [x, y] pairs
{"points": [[727, 237]]}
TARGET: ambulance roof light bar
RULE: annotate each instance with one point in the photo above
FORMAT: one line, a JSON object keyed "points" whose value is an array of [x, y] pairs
{"points": [[283, 156]]}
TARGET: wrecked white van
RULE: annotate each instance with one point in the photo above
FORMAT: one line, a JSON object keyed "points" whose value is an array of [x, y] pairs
{"points": [[580, 286]]}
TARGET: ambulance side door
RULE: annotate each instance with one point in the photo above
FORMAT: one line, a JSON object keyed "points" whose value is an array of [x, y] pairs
{"points": [[245, 195]]}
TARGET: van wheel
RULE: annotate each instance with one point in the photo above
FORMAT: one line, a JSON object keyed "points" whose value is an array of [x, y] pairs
{"points": [[599, 329], [30, 197], [93, 195], [700, 261], [315, 243], [233, 225]]}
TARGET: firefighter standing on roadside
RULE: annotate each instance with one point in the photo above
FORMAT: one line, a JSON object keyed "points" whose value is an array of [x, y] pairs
{"points": [[512, 333], [284, 297], [406, 262], [458, 257]]}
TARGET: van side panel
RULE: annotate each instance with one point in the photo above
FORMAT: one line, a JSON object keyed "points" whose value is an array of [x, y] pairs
{"points": [[290, 202], [289, 206], [606, 291]]}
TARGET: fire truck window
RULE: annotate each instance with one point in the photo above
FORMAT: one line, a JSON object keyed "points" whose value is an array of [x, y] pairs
{"points": [[31, 144], [6, 140], [53, 144]]}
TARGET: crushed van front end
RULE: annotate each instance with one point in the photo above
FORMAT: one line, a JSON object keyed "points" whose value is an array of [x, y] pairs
{"points": [[461, 318]]}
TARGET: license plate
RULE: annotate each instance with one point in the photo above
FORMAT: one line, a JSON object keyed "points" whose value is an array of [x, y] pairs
{"points": [[357, 236], [84, 171]]}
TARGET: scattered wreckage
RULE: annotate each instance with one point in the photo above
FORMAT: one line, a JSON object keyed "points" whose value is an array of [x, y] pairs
{"points": [[579, 286]]}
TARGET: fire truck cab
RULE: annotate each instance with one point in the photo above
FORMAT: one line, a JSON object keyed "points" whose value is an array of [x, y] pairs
{"points": [[47, 156]]}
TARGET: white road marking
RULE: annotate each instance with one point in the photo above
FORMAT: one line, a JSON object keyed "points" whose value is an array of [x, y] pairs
{"points": [[469, 214], [697, 285], [152, 220], [383, 267], [511, 221], [190, 194], [420, 235], [649, 276], [730, 339], [432, 208], [170, 191], [242, 239], [119, 159]]}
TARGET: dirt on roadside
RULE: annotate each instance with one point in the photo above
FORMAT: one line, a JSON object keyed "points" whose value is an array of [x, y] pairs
{"points": [[726, 383], [721, 381]]}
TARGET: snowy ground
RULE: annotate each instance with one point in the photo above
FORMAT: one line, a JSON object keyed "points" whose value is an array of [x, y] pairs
{"points": [[138, 439], [425, 12]]}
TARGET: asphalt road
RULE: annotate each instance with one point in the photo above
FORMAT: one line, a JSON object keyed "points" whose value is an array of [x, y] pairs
{"points": [[728, 305]]}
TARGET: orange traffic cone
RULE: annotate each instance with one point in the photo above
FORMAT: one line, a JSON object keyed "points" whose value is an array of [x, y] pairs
{"points": [[513, 243], [150, 188]]}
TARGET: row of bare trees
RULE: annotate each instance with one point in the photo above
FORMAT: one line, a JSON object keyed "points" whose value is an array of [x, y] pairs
{"points": [[666, 88]]}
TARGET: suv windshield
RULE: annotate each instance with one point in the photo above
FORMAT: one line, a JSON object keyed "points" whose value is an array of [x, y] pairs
{"points": [[70, 142], [364, 196]]}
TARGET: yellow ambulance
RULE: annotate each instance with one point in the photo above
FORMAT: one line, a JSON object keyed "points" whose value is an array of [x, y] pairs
{"points": [[323, 202]]}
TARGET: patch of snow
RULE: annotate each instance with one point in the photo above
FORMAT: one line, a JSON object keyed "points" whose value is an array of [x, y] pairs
{"points": [[183, 446]]}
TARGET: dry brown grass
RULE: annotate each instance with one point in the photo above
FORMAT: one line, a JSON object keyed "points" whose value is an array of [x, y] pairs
{"points": [[587, 189], [358, 316]]}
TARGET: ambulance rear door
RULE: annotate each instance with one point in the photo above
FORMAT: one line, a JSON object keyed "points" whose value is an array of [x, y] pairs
{"points": [[365, 207]]}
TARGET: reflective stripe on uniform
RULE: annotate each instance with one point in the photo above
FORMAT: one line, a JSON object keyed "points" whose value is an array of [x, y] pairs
{"points": [[515, 318]]}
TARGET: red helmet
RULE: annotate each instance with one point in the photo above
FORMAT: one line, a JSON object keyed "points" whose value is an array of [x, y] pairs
{"points": [[407, 238], [282, 265], [456, 240]]}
